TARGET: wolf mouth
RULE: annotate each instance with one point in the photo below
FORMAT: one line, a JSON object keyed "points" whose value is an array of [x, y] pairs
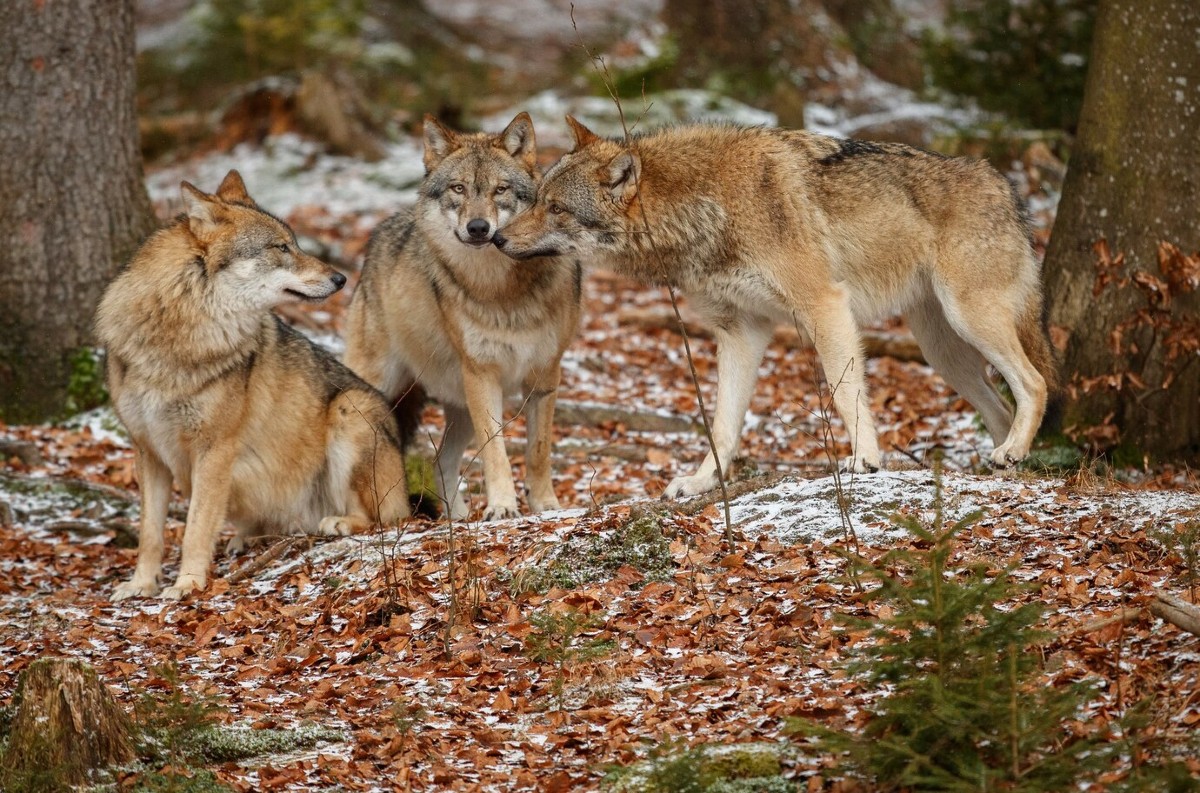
{"points": [[304, 296]]}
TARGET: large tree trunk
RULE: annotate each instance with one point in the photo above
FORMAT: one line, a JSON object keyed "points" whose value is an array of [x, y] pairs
{"points": [[1134, 181], [66, 724], [72, 202]]}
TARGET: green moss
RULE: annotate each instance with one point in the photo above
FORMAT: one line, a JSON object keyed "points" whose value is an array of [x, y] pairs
{"points": [[638, 543], [422, 488], [218, 744], [85, 385], [716, 768], [201, 780], [1054, 453]]}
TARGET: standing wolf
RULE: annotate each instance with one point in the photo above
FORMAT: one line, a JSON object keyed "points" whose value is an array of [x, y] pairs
{"points": [[440, 311], [760, 226], [253, 421]]}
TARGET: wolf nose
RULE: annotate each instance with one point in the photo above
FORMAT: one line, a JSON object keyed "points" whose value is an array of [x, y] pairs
{"points": [[499, 240], [478, 228], [338, 279]]}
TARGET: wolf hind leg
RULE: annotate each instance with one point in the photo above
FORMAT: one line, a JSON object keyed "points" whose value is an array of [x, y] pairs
{"points": [[830, 324], [960, 365], [739, 351], [366, 466], [988, 322]]}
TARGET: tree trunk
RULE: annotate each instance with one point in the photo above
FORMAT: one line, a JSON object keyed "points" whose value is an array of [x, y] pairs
{"points": [[66, 724], [1129, 339], [72, 202]]}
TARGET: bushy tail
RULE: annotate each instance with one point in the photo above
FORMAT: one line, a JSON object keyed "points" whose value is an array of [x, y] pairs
{"points": [[407, 409]]}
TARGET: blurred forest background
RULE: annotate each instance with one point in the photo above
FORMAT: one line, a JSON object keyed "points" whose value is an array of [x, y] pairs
{"points": [[1022, 64]]}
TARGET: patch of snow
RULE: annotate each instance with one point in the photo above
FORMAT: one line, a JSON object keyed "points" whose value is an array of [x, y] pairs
{"points": [[289, 172], [806, 510]]}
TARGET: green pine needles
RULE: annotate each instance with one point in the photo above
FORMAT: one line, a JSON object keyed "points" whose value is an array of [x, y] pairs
{"points": [[961, 704]]}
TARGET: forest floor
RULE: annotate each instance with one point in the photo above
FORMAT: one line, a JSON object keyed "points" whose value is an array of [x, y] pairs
{"points": [[419, 644]]}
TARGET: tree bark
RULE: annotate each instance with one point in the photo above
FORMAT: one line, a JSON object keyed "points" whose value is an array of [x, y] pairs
{"points": [[1134, 181], [72, 202], [66, 723]]}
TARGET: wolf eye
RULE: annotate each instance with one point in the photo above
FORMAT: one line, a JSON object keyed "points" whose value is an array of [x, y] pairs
{"points": [[501, 188], [458, 188], [556, 209], [283, 246]]}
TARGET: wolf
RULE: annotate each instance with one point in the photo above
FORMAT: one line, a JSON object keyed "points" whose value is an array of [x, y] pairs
{"points": [[763, 225], [439, 312], [253, 421]]}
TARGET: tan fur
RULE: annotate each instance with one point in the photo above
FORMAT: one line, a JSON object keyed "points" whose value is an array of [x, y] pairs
{"points": [[760, 226], [449, 315], [250, 419]]}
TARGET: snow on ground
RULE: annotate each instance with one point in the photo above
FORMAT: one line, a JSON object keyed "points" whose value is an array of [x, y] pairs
{"points": [[804, 510], [288, 173]]}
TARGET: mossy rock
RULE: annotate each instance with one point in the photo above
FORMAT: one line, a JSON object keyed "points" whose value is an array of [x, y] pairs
{"points": [[639, 543], [220, 744], [716, 768]]}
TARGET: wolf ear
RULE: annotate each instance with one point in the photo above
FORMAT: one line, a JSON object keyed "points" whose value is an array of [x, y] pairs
{"points": [[621, 176], [439, 142], [583, 136], [233, 190], [201, 209], [519, 140]]}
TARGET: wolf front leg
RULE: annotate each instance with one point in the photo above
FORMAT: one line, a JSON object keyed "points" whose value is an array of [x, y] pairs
{"points": [[154, 480], [485, 401], [212, 479], [539, 432], [740, 349]]}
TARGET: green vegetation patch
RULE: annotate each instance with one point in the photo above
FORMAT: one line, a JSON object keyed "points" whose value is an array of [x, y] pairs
{"points": [[639, 542], [714, 768]]}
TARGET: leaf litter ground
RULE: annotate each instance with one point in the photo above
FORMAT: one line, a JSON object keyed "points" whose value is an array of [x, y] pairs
{"points": [[413, 641]]}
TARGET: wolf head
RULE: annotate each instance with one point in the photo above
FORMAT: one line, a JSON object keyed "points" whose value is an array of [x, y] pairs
{"points": [[476, 183], [250, 256], [583, 205]]}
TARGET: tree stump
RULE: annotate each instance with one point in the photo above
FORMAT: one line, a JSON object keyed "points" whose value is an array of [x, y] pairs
{"points": [[66, 724]]}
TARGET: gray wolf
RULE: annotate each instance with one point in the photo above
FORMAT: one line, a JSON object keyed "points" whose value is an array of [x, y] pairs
{"points": [[253, 421], [759, 226], [440, 312]]}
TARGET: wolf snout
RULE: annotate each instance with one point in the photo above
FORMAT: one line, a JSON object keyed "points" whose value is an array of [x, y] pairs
{"points": [[477, 229], [499, 240], [339, 281]]}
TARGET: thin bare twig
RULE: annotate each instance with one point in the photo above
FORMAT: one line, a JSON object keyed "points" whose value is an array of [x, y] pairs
{"points": [[610, 85]]}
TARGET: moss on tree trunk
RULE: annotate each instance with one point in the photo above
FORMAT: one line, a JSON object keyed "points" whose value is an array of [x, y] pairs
{"points": [[66, 724], [1134, 181]]}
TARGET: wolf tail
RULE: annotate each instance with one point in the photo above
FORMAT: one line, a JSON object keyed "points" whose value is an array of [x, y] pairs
{"points": [[407, 409]]}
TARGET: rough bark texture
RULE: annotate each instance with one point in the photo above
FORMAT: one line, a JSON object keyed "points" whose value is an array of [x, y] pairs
{"points": [[66, 723], [1133, 180], [72, 202]]}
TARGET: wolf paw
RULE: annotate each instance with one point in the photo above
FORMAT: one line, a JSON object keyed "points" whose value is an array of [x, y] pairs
{"points": [[694, 485], [544, 504], [501, 512], [335, 526], [135, 589], [858, 465], [183, 586], [1005, 456], [236, 544]]}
